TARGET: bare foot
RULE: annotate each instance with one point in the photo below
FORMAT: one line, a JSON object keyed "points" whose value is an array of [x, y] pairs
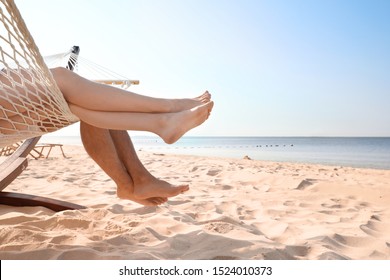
{"points": [[184, 104], [152, 187], [204, 98], [153, 201], [126, 192], [175, 125]]}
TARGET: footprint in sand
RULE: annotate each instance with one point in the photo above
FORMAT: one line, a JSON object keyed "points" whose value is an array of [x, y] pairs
{"points": [[213, 172], [331, 206], [224, 258], [224, 187], [272, 229], [375, 227], [263, 188], [52, 178], [335, 204], [331, 256], [195, 168], [352, 241], [306, 183], [288, 253], [289, 203], [219, 227]]}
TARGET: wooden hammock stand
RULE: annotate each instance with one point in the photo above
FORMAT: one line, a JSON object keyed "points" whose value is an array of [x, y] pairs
{"points": [[14, 165], [11, 168]]}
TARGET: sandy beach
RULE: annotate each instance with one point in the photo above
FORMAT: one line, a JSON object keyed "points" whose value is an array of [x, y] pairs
{"points": [[235, 209]]}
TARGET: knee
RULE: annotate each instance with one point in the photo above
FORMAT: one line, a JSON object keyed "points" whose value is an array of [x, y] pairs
{"points": [[85, 115], [59, 75], [58, 71], [75, 109]]}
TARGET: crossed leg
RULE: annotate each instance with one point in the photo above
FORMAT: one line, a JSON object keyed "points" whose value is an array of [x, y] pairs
{"points": [[109, 107], [97, 97], [112, 108], [145, 184], [114, 152], [169, 126]]}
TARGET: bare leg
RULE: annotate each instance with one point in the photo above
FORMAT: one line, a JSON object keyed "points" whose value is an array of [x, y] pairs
{"points": [[86, 94], [145, 184], [169, 126], [94, 96], [99, 145]]}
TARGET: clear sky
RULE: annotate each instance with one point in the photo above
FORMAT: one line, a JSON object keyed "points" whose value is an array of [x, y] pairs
{"points": [[274, 67]]}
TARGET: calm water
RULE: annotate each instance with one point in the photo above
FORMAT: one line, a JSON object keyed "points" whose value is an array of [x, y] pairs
{"points": [[349, 151]]}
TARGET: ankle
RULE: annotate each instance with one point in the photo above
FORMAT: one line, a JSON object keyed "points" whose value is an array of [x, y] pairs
{"points": [[124, 190], [163, 128], [169, 106], [143, 179]]}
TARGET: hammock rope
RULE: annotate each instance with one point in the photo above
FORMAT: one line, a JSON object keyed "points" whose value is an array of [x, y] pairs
{"points": [[89, 69], [31, 103]]}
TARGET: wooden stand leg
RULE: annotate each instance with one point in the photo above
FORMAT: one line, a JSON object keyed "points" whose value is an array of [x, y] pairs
{"points": [[11, 168], [18, 199]]}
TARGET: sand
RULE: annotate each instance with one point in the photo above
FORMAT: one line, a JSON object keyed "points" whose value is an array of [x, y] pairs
{"points": [[235, 209]]}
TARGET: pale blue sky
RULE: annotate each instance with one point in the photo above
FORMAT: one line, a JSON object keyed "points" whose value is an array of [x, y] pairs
{"points": [[274, 67]]}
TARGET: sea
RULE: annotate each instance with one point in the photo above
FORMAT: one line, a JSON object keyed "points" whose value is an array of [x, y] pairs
{"points": [[361, 152]]}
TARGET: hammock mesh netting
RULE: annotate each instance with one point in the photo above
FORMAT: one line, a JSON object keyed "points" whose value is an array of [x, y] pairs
{"points": [[30, 102]]}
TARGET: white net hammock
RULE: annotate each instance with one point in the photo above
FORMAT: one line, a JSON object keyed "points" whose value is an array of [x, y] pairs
{"points": [[30, 102]]}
